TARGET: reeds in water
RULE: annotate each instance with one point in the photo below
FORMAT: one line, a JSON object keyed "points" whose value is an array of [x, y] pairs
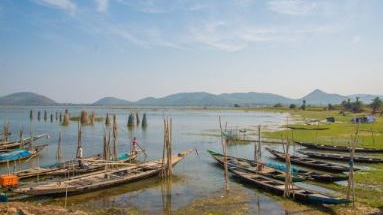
{"points": [[107, 120], [144, 121], [66, 119], [131, 120], [84, 118]]}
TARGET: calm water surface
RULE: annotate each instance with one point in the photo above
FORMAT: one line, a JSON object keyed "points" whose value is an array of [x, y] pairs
{"points": [[195, 177]]}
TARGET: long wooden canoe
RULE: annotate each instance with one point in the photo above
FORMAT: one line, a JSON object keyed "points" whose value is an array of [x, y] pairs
{"points": [[21, 154], [312, 163], [6, 146], [311, 175], [251, 166], [298, 172], [71, 167], [100, 180], [338, 148], [277, 187], [341, 157]]}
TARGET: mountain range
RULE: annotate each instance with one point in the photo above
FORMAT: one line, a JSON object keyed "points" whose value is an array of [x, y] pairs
{"points": [[317, 97]]}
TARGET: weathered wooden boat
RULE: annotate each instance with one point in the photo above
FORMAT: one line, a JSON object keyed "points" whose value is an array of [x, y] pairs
{"points": [[309, 174], [338, 148], [278, 187], [311, 128], [21, 154], [341, 157], [6, 146], [252, 166], [71, 167], [100, 180], [312, 163]]}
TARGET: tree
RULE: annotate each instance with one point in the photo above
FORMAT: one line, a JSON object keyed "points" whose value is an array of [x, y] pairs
{"points": [[330, 107], [303, 107], [278, 105], [293, 106], [376, 104], [357, 106]]}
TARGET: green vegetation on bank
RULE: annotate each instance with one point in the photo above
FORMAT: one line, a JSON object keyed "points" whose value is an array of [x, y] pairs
{"points": [[369, 183]]}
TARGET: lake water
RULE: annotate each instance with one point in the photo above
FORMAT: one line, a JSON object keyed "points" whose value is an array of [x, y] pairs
{"points": [[195, 177]]}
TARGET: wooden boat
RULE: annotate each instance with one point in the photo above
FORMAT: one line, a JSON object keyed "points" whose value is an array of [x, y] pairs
{"points": [[277, 187], [6, 146], [21, 154], [251, 166], [341, 157], [100, 180], [311, 175], [301, 173], [338, 148], [308, 162], [312, 128], [72, 167]]}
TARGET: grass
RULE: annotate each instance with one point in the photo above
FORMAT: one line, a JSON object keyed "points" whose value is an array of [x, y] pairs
{"points": [[369, 183]]}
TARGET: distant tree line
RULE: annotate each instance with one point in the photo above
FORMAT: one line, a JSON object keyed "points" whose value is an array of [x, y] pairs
{"points": [[356, 106]]}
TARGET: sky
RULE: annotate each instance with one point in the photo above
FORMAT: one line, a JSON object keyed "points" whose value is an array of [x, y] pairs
{"points": [[82, 50]]}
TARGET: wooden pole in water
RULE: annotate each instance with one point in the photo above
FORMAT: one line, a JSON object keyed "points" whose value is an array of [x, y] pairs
{"points": [[288, 179], [31, 115], [223, 142], [6, 131], [115, 134], [144, 121], [351, 181], [107, 120], [21, 138], [259, 144], [59, 150], [45, 115]]}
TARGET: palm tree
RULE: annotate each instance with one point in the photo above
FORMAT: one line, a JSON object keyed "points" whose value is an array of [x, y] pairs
{"points": [[376, 104]]}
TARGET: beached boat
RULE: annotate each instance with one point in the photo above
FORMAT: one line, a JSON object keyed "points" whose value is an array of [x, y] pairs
{"points": [[6, 146], [72, 167], [100, 180], [278, 187], [341, 157], [298, 172], [312, 163], [251, 166], [338, 148], [21, 154], [309, 174]]}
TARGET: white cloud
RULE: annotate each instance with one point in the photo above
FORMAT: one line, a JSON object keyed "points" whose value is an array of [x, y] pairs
{"points": [[293, 7], [102, 5], [60, 4]]}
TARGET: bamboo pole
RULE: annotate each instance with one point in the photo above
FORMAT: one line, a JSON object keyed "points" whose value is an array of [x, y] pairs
{"points": [[31, 115], [351, 181], [59, 150], [45, 115], [107, 120], [223, 142], [21, 137], [115, 134]]}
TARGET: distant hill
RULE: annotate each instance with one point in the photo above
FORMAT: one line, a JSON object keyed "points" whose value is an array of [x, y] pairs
{"points": [[318, 97], [111, 101], [26, 98], [253, 98], [185, 99]]}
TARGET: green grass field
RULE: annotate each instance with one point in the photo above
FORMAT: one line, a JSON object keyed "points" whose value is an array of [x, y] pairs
{"points": [[369, 183]]}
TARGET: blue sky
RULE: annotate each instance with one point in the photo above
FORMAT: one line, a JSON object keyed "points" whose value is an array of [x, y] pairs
{"points": [[82, 50]]}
